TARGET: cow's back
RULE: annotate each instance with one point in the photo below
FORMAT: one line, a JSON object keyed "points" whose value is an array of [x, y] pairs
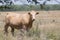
{"points": [[14, 18]]}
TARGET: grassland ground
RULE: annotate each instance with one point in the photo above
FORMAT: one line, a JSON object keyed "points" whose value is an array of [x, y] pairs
{"points": [[45, 27]]}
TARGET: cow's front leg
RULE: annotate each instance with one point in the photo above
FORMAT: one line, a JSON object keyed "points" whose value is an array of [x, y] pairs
{"points": [[28, 27]]}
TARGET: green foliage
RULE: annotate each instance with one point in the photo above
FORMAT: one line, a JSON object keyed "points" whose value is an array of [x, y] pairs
{"points": [[28, 7], [51, 36]]}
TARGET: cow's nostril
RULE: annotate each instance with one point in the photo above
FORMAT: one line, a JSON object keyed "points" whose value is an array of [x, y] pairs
{"points": [[33, 19]]}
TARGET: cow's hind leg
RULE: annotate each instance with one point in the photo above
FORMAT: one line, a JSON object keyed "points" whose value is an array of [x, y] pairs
{"points": [[6, 29], [12, 31]]}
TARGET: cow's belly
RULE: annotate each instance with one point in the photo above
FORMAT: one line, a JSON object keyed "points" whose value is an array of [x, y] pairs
{"points": [[16, 26]]}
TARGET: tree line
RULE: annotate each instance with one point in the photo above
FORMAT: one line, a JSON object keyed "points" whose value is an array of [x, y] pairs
{"points": [[29, 7], [7, 4]]}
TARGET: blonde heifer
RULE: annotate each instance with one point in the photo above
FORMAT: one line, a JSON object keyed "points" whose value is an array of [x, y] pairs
{"points": [[19, 21]]}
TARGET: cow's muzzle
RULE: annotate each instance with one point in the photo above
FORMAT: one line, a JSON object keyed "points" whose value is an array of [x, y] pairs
{"points": [[33, 20]]}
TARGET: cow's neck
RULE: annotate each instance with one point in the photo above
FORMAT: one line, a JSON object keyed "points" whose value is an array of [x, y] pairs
{"points": [[30, 17]]}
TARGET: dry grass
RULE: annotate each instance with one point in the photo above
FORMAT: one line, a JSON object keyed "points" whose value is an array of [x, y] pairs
{"points": [[46, 27]]}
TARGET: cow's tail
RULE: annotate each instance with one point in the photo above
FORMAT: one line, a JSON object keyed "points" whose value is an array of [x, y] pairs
{"points": [[4, 20], [7, 13]]}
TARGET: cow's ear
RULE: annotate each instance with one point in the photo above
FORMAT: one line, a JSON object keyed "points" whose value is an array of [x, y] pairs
{"points": [[29, 13], [37, 13]]}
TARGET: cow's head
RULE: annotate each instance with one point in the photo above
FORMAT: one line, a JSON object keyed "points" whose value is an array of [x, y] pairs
{"points": [[33, 14]]}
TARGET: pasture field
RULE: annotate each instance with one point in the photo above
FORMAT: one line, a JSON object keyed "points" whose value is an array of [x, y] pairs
{"points": [[45, 27]]}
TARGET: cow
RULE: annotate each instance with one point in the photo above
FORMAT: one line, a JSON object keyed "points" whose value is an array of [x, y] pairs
{"points": [[19, 21]]}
